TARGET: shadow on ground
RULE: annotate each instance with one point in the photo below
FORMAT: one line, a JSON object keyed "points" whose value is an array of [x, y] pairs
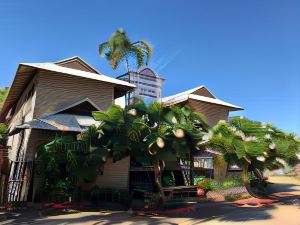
{"points": [[287, 209]]}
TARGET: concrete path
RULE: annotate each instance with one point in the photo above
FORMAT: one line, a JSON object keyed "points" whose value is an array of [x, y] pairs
{"points": [[285, 212]]}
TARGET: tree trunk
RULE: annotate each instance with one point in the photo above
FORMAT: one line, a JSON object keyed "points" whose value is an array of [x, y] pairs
{"points": [[247, 182], [220, 168], [128, 71], [157, 177], [246, 177], [127, 65], [191, 169]]}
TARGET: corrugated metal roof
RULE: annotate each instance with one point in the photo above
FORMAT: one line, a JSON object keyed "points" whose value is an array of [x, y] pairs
{"points": [[59, 122], [184, 96], [60, 69], [213, 100], [26, 72], [70, 122]]}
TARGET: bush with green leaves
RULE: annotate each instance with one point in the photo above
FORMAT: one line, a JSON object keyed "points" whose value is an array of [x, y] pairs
{"points": [[3, 95], [235, 197], [262, 145], [3, 131], [150, 134], [66, 158], [232, 183], [207, 185]]}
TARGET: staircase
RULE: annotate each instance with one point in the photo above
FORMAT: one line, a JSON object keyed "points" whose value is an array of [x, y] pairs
{"points": [[185, 169], [3, 172], [20, 173]]}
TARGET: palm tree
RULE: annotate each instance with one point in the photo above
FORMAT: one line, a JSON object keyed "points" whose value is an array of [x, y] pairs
{"points": [[120, 48], [255, 147], [154, 134]]}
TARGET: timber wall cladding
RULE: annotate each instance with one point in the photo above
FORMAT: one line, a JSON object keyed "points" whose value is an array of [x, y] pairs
{"points": [[115, 174], [25, 105], [76, 65], [203, 92], [36, 140], [24, 113], [56, 91], [212, 112]]}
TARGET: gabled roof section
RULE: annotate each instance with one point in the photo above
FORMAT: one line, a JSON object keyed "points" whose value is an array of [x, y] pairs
{"points": [[82, 107], [200, 93], [77, 63], [74, 72], [203, 91], [76, 117], [27, 71]]}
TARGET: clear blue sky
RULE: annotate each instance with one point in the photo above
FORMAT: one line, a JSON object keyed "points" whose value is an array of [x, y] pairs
{"points": [[245, 52]]}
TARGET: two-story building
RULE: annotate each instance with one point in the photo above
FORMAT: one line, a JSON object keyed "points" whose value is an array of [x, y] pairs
{"points": [[49, 98], [59, 97]]}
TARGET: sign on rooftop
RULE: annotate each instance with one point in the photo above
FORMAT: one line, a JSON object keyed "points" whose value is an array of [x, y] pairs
{"points": [[148, 85]]}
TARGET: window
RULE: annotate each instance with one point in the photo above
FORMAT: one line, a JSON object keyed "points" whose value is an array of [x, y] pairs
{"points": [[203, 162]]}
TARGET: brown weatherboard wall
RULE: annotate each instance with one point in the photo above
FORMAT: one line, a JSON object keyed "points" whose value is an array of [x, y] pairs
{"points": [[75, 64], [115, 175], [212, 112], [56, 91], [37, 138], [23, 113], [203, 92]]}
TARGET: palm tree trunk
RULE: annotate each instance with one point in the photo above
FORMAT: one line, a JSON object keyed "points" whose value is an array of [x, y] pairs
{"points": [[128, 71], [127, 66], [247, 182], [191, 168], [220, 169], [246, 176], [157, 178]]}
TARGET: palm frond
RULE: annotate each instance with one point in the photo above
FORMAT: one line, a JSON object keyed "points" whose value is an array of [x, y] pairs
{"points": [[102, 48], [138, 53], [147, 48]]}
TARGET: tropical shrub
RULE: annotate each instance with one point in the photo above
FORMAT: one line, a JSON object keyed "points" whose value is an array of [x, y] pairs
{"points": [[3, 95], [232, 183], [207, 185], [232, 198], [262, 145], [67, 162], [254, 146], [151, 133], [3, 131]]}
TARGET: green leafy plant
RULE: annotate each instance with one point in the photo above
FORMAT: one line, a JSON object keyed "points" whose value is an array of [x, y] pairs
{"points": [[227, 184], [66, 161], [150, 134], [232, 198], [207, 185], [3, 95], [3, 131], [255, 147], [120, 48]]}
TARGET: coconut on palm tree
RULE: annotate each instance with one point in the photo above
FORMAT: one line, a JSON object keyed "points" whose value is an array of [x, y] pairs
{"points": [[151, 133]]}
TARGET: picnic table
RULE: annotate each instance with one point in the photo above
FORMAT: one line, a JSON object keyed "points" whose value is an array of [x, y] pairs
{"points": [[182, 191]]}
